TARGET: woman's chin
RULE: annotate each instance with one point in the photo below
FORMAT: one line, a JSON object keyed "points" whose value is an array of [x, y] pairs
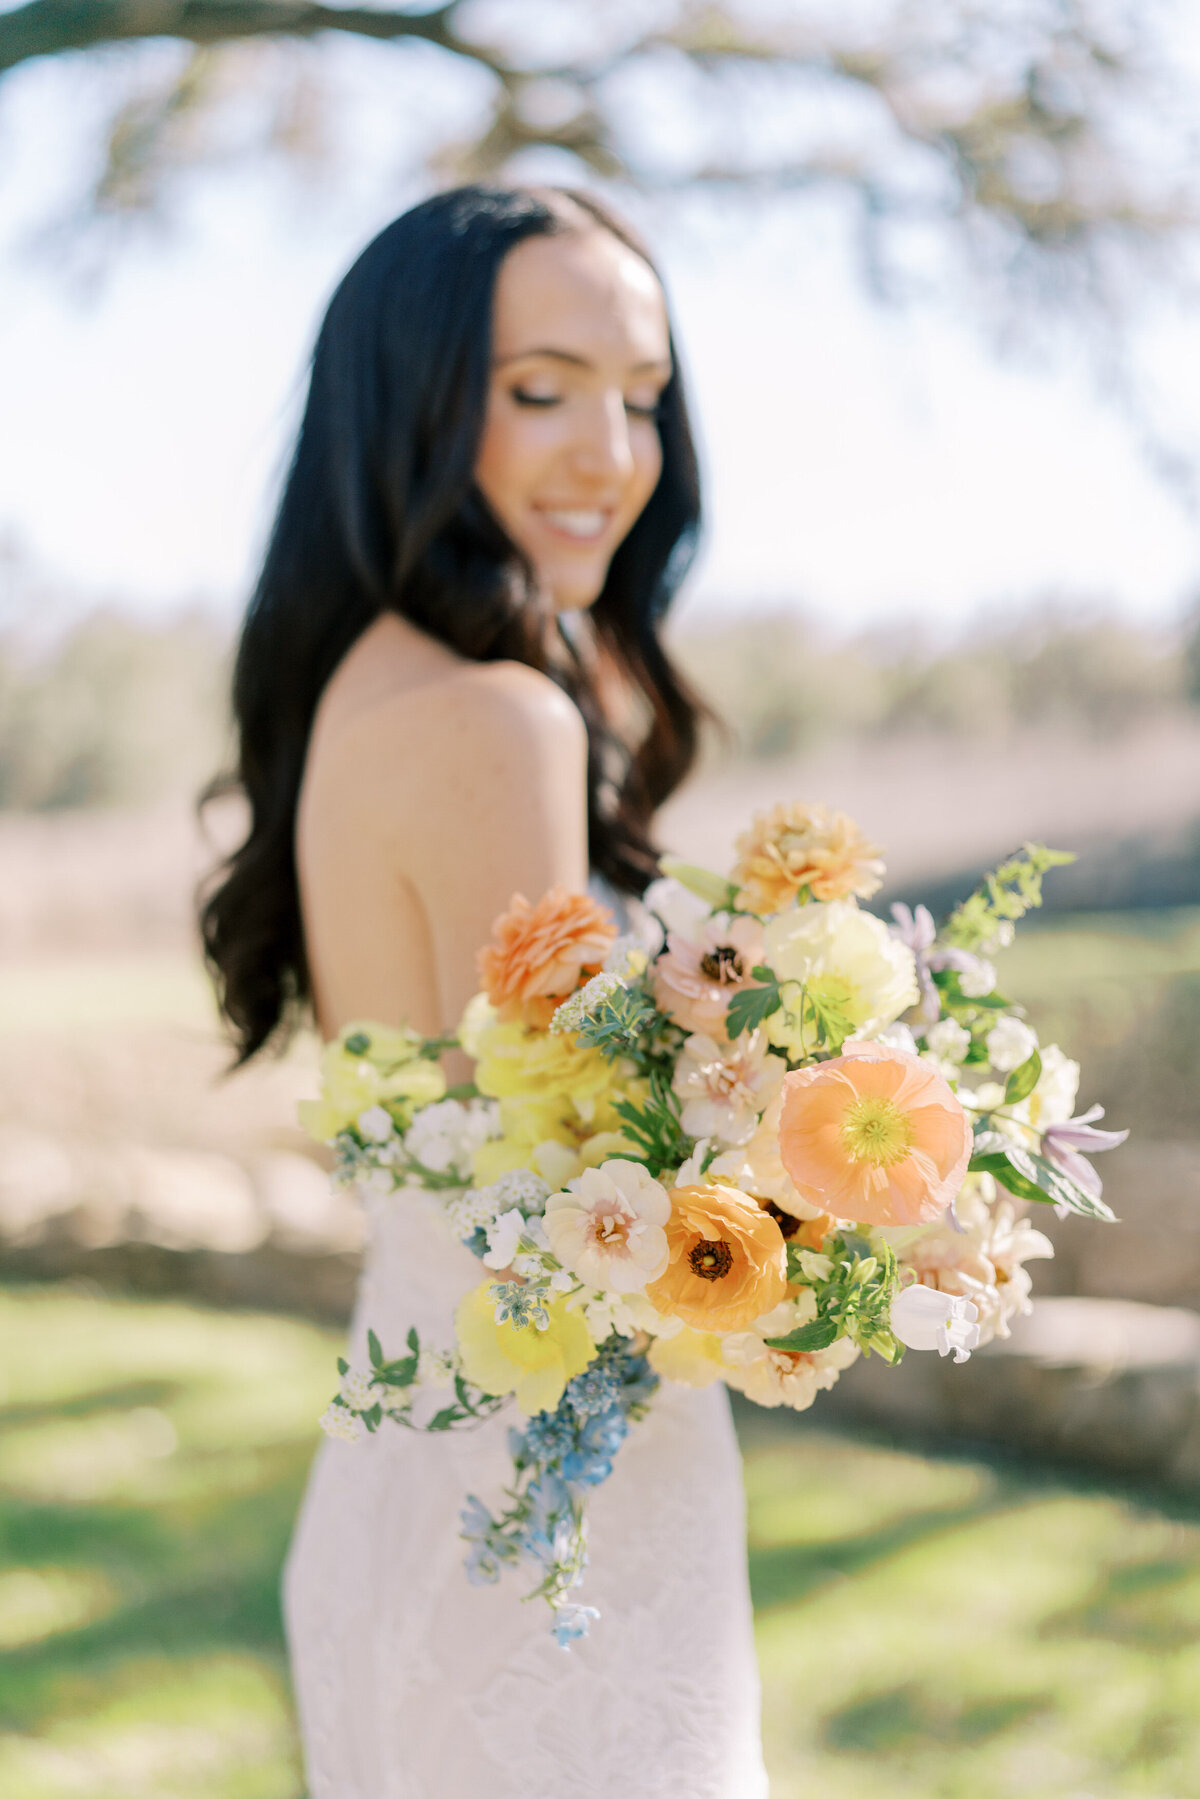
{"points": [[574, 592]]}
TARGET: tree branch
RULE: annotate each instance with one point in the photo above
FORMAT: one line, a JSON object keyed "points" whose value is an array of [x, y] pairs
{"points": [[48, 27]]}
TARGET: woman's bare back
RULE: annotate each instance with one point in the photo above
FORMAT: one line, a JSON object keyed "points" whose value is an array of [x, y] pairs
{"points": [[434, 789]]}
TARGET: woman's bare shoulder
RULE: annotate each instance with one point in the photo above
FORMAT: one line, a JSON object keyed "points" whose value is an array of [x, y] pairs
{"points": [[481, 717]]}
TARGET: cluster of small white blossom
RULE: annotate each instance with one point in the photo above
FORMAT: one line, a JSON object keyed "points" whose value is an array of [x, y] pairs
{"points": [[444, 1137], [521, 1191], [339, 1422], [469, 1212], [573, 1012]]}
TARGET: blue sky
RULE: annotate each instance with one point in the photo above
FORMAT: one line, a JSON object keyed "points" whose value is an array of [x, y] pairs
{"points": [[869, 464]]}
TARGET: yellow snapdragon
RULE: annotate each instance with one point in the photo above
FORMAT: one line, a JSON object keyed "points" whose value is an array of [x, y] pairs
{"points": [[557, 1103], [370, 1065]]}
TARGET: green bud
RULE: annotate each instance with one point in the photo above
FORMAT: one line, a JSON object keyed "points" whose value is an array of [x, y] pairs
{"points": [[713, 888]]}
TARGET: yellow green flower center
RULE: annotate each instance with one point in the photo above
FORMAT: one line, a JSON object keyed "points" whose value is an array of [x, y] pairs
{"points": [[874, 1129]]}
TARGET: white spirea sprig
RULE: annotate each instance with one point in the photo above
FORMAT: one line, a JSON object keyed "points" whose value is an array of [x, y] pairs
{"points": [[574, 1012]]}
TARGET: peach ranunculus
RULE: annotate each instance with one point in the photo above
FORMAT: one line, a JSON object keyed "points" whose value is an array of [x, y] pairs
{"points": [[874, 1135], [785, 1377], [796, 846], [702, 969], [725, 1086], [538, 954], [979, 1256], [728, 1262]]}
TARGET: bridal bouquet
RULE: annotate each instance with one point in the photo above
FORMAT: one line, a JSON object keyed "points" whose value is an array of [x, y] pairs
{"points": [[763, 1134]]}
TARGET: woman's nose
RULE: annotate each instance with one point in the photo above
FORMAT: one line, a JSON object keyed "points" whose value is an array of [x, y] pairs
{"points": [[602, 447]]}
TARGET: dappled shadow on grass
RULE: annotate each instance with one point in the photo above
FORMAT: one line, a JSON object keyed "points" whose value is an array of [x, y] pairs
{"points": [[908, 1717], [1151, 1604], [189, 1578], [120, 1396], [785, 1574]]}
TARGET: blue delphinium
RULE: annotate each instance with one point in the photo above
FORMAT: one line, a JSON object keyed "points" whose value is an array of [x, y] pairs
{"points": [[559, 1455], [571, 1621]]}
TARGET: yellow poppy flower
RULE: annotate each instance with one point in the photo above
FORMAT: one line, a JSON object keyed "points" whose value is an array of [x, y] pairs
{"points": [[534, 1365]]}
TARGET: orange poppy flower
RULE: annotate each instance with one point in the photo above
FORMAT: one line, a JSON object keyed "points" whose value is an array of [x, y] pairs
{"points": [[538, 954], [874, 1135], [728, 1262]]}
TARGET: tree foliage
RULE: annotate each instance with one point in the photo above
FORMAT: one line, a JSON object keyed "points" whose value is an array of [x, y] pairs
{"points": [[1049, 133]]}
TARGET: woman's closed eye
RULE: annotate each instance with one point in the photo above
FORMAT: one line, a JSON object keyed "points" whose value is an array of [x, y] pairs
{"points": [[524, 398], [637, 408]]}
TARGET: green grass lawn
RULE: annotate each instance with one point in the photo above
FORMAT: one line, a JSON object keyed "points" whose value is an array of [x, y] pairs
{"points": [[932, 1627]]}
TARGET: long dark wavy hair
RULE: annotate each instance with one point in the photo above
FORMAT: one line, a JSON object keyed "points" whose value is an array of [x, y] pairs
{"points": [[380, 512]]}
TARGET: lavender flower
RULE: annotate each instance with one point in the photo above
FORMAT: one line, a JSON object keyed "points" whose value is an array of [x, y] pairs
{"points": [[917, 930], [1062, 1144]]}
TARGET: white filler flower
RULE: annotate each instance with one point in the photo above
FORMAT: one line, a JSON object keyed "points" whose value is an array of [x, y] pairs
{"points": [[607, 1227], [1010, 1043], [336, 1421], [948, 1040]]}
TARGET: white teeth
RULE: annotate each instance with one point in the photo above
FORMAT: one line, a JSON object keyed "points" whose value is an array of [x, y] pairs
{"points": [[577, 524]]}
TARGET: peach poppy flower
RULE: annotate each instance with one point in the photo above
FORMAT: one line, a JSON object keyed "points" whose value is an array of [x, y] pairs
{"points": [[703, 968], [874, 1135], [538, 954], [728, 1262], [795, 846]]}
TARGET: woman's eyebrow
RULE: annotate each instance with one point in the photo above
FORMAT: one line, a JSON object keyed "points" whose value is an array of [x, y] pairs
{"points": [[581, 362]]}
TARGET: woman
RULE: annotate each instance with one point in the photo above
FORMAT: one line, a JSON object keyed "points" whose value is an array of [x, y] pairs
{"points": [[451, 688]]}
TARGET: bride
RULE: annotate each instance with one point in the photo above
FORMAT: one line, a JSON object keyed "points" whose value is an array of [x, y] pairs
{"points": [[450, 688]]}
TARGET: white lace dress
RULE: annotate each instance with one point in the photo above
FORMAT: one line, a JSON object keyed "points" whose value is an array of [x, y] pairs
{"points": [[413, 1684]]}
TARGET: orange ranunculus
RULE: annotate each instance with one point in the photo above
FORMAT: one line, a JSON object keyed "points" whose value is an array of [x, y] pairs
{"points": [[538, 953], [728, 1262], [795, 846], [874, 1135]]}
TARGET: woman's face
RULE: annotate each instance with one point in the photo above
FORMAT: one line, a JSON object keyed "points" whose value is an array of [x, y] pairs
{"points": [[570, 452]]}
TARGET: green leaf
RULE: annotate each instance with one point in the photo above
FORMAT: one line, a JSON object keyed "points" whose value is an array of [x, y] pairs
{"points": [[443, 1420], [1028, 1176], [373, 1350], [343, 1366], [1022, 1081], [998, 1164], [818, 1333], [712, 888], [751, 1005], [413, 1341], [947, 982], [830, 1015], [1061, 1190], [399, 1374], [357, 1044]]}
